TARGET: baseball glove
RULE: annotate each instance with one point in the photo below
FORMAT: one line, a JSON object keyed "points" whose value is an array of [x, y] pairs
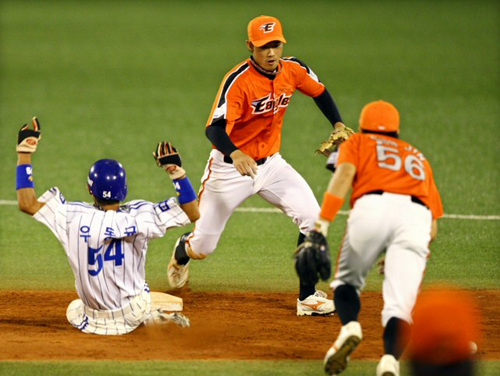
{"points": [[27, 139], [331, 162], [336, 138], [167, 157], [312, 257]]}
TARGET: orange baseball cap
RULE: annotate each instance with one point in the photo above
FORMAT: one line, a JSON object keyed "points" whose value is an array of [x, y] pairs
{"points": [[379, 116], [265, 29]]}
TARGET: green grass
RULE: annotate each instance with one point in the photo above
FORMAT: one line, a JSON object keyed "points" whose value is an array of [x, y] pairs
{"points": [[465, 253], [192, 368], [111, 79]]}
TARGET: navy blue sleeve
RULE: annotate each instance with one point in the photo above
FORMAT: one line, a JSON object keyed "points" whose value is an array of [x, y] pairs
{"points": [[216, 133], [328, 107]]}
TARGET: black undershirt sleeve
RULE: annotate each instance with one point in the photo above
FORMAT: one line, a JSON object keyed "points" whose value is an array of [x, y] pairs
{"points": [[328, 107], [216, 133]]}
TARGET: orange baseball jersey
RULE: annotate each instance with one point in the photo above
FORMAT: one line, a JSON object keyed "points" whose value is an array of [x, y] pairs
{"points": [[254, 105], [391, 165]]}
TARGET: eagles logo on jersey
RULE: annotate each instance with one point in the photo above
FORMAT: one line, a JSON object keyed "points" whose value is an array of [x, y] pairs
{"points": [[267, 103], [253, 104]]}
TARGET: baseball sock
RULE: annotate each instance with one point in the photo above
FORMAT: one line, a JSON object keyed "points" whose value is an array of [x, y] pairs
{"points": [[395, 336], [182, 260], [347, 303], [180, 252], [306, 290]]}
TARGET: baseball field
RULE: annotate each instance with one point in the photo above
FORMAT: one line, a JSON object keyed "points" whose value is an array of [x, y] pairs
{"points": [[109, 79]]}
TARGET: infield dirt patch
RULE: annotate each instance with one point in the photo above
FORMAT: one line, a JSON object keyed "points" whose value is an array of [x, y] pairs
{"points": [[229, 325]]}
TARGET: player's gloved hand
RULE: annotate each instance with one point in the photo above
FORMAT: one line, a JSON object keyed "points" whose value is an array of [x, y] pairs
{"points": [[338, 136], [167, 157], [312, 258], [27, 139]]}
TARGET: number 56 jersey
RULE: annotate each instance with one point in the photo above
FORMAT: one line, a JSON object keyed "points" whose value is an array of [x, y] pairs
{"points": [[388, 164], [107, 249]]}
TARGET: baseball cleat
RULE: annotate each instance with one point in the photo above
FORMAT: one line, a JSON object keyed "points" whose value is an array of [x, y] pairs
{"points": [[177, 318], [337, 356], [388, 366], [315, 305], [178, 274], [161, 317]]}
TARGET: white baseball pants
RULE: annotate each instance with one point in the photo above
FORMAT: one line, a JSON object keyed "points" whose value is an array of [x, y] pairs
{"points": [[120, 321], [394, 224], [224, 189]]}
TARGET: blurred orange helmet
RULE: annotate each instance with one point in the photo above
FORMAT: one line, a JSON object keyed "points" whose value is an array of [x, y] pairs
{"points": [[446, 327], [379, 116]]}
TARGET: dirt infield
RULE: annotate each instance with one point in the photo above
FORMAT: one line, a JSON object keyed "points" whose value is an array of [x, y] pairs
{"points": [[239, 325]]}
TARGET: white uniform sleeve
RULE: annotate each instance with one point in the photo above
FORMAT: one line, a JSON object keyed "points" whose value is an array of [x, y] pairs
{"points": [[153, 220], [170, 214], [53, 214]]}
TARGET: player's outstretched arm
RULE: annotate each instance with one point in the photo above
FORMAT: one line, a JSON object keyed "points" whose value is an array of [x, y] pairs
{"points": [[191, 210], [27, 141], [167, 157], [333, 199], [339, 134]]}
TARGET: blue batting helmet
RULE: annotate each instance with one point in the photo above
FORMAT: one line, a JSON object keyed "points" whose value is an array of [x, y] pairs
{"points": [[107, 180]]}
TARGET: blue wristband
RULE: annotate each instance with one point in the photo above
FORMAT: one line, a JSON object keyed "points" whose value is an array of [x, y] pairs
{"points": [[184, 190], [24, 176]]}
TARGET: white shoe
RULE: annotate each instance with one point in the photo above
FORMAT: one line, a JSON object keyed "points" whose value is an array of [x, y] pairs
{"points": [[178, 275], [337, 356], [315, 305], [388, 366]]}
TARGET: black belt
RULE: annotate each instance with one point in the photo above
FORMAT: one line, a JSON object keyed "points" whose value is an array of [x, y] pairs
{"points": [[414, 199], [259, 161]]}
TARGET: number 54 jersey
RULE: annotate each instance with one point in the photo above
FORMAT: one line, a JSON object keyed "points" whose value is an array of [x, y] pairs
{"points": [[388, 164], [107, 249]]}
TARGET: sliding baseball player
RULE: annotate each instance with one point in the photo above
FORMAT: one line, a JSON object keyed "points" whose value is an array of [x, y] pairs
{"points": [[106, 241]]}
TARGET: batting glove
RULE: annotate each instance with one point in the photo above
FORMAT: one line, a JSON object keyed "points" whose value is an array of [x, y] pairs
{"points": [[27, 139], [169, 159]]}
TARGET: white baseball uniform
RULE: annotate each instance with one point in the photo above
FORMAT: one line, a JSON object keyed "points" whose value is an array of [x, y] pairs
{"points": [[107, 253]]}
